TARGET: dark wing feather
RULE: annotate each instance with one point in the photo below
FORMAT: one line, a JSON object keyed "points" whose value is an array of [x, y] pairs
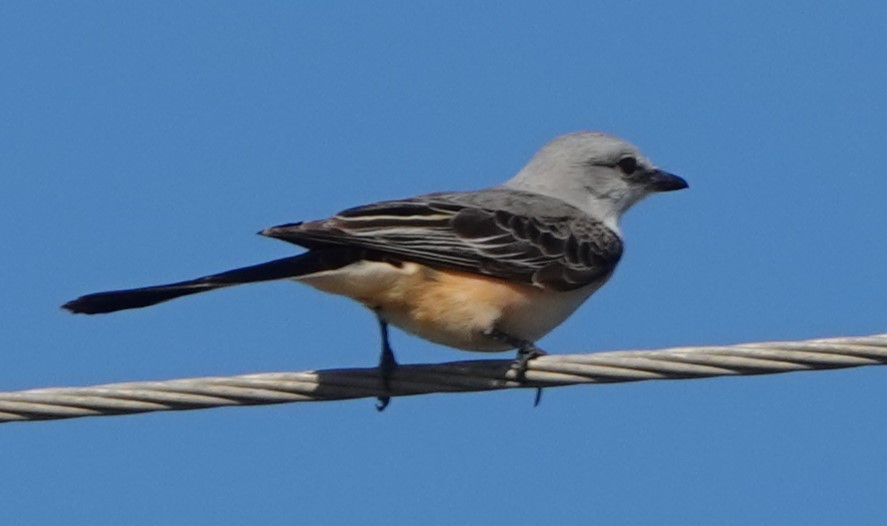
{"points": [[561, 249]]}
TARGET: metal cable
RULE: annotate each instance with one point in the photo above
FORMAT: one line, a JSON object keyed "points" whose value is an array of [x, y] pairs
{"points": [[478, 375]]}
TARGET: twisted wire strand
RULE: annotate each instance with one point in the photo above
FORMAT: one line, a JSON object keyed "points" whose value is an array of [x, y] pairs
{"points": [[477, 375]]}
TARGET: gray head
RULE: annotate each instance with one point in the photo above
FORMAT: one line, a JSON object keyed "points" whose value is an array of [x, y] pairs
{"points": [[595, 172]]}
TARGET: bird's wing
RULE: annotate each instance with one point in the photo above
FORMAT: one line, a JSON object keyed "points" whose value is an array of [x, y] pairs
{"points": [[500, 233]]}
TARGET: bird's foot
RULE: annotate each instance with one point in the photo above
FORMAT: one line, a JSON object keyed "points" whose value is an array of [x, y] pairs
{"points": [[521, 363], [526, 351], [524, 355], [387, 365]]}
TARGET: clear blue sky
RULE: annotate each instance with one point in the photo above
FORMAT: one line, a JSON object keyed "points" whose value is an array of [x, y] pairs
{"points": [[148, 142]]}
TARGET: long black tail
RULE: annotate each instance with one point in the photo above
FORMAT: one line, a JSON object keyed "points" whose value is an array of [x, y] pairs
{"points": [[114, 300]]}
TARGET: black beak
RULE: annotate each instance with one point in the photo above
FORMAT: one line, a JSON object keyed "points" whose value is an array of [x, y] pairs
{"points": [[660, 181]]}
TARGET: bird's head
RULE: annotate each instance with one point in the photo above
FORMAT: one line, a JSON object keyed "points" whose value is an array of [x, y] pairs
{"points": [[598, 173]]}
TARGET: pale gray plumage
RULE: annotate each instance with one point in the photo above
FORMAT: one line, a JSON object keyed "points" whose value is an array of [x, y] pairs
{"points": [[582, 169]]}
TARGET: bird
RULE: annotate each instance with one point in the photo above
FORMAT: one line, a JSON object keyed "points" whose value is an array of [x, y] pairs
{"points": [[485, 270]]}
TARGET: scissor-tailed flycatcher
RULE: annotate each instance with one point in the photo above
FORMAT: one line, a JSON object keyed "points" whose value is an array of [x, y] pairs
{"points": [[489, 270]]}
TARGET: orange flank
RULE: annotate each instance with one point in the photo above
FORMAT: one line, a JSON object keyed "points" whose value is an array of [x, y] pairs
{"points": [[448, 307]]}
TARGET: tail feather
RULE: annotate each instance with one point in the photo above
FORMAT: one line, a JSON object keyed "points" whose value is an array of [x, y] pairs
{"points": [[103, 302]]}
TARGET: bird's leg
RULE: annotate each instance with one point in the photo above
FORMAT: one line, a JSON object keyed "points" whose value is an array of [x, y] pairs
{"points": [[526, 351], [387, 363]]}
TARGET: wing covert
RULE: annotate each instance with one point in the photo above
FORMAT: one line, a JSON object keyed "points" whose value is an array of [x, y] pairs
{"points": [[560, 248]]}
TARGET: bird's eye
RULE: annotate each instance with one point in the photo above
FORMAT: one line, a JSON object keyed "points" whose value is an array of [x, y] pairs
{"points": [[627, 165]]}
